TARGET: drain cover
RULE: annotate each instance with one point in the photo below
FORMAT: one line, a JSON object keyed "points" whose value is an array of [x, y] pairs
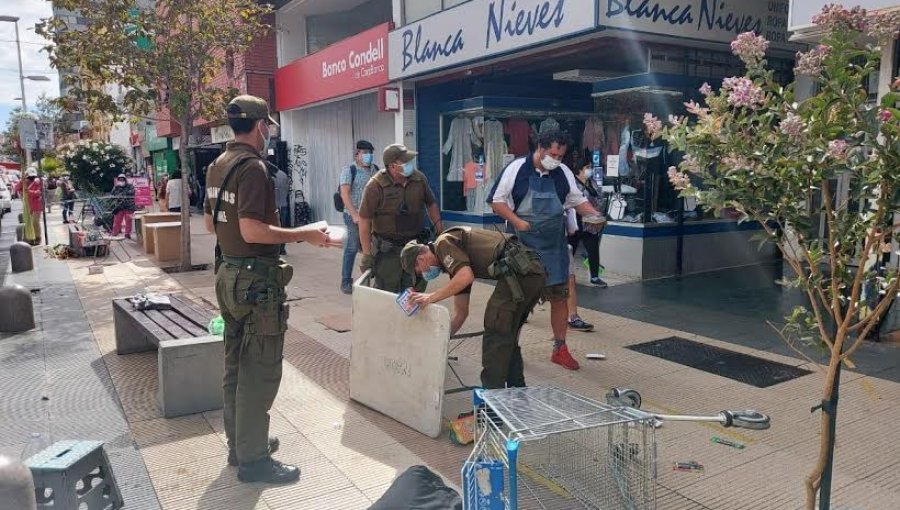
{"points": [[747, 369]]}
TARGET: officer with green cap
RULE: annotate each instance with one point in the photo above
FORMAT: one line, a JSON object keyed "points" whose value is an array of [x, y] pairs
{"points": [[465, 254], [391, 215], [241, 211]]}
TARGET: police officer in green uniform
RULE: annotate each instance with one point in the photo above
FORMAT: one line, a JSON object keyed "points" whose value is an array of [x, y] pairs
{"points": [[391, 215], [465, 254], [241, 211]]}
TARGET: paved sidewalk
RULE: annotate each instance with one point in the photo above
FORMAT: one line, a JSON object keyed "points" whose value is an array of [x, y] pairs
{"points": [[350, 454]]}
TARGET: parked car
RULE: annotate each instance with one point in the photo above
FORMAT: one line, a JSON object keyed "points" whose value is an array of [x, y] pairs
{"points": [[5, 197]]}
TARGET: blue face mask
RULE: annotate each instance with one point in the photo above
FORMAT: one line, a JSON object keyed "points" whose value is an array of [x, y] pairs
{"points": [[367, 158], [431, 273], [408, 168]]}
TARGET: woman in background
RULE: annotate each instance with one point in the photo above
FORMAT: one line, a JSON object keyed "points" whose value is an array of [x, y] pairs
{"points": [[173, 192]]}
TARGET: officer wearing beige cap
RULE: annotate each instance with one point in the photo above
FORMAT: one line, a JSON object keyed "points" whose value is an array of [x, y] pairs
{"points": [[391, 215]]}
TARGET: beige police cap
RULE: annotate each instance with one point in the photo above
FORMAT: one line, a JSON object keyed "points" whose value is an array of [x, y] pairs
{"points": [[249, 107]]}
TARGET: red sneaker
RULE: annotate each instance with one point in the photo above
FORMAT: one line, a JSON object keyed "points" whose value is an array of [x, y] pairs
{"points": [[562, 357]]}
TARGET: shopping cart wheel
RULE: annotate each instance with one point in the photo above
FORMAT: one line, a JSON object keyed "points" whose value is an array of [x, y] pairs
{"points": [[624, 397], [746, 419]]}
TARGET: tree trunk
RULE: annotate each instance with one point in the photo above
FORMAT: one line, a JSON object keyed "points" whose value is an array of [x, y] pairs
{"points": [[822, 472], [186, 123]]}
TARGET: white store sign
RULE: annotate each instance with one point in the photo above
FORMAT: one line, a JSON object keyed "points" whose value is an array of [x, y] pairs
{"points": [[707, 20], [483, 28]]}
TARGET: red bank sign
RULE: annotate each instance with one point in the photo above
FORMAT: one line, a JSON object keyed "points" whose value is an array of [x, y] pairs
{"points": [[354, 64]]}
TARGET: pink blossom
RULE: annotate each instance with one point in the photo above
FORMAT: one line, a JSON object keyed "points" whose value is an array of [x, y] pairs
{"points": [[750, 48], [792, 125], [706, 90], [694, 108], [837, 149], [679, 180], [677, 120], [653, 125], [883, 27], [812, 62], [836, 17], [885, 115], [743, 92]]}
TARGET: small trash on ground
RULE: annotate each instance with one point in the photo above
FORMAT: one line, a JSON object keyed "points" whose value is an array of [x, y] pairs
{"points": [[595, 355], [216, 326], [690, 465], [719, 440], [462, 429]]}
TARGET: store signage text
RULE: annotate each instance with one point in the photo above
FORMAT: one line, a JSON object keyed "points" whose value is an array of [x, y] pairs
{"points": [[352, 65], [717, 20], [454, 36]]}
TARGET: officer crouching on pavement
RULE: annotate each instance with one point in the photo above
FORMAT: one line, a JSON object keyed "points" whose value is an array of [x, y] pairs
{"points": [[250, 278], [465, 254], [391, 215]]}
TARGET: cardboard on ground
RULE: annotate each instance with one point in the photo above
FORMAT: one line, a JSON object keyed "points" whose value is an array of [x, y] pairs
{"points": [[398, 363]]}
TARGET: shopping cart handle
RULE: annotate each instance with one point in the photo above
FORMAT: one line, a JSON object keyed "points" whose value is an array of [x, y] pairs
{"points": [[746, 419]]}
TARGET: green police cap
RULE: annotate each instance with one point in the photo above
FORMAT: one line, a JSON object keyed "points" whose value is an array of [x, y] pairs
{"points": [[408, 256], [249, 107], [395, 152]]}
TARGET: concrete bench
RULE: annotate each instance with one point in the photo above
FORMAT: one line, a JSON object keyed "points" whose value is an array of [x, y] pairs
{"points": [[166, 240], [190, 360], [151, 218], [137, 225]]}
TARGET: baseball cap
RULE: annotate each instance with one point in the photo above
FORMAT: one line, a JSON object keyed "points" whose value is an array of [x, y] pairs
{"points": [[249, 107], [396, 152], [120, 176], [31, 172], [408, 256], [364, 145]]}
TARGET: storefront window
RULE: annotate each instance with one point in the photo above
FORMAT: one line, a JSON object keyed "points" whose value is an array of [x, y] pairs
{"points": [[477, 144]]}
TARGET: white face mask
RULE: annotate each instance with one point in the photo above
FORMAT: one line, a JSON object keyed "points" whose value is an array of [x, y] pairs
{"points": [[588, 173], [549, 162]]}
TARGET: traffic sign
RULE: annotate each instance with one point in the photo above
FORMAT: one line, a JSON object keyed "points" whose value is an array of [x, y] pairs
{"points": [[27, 133]]}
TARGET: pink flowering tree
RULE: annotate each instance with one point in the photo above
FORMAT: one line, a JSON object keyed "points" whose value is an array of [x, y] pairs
{"points": [[756, 148]]}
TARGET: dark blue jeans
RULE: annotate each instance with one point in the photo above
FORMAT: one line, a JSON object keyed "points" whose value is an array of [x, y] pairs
{"points": [[351, 248]]}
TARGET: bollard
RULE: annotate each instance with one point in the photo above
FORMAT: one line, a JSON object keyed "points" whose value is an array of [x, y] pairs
{"points": [[20, 233], [16, 485], [20, 257], [16, 309]]}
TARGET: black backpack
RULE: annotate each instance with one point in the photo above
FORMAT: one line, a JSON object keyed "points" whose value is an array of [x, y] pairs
{"points": [[338, 201]]}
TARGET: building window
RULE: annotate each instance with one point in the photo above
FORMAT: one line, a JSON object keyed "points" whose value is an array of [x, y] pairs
{"points": [[414, 10]]}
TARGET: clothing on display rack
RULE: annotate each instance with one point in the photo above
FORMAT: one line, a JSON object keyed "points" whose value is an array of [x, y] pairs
{"points": [[549, 124], [594, 136], [624, 156], [494, 149], [478, 127], [519, 132], [460, 141]]}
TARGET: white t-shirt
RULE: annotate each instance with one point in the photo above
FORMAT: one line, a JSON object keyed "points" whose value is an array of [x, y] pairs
{"points": [[503, 193], [173, 192]]}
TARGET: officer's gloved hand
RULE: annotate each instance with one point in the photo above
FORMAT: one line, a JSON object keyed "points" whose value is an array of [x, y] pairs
{"points": [[368, 262]]}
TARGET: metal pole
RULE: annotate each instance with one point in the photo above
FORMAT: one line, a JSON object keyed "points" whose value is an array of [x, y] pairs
{"points": [[43, 190], [21, 73]]}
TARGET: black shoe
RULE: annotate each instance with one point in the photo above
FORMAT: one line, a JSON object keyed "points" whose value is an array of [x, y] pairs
{"points": [[268, 471], [347, 287], [579, 325], [273, 447], [599, 283]]}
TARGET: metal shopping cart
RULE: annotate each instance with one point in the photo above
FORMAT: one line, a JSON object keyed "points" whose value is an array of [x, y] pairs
{"points": [[548, 448]]}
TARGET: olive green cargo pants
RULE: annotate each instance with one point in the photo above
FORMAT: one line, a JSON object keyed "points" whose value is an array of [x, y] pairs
{"points": [[389, 274], [501, 356], [255, 318]]}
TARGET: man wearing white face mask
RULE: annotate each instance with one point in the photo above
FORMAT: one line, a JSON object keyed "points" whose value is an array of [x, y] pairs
{"points": [[391, 215], [353, 181], [531, 195]]}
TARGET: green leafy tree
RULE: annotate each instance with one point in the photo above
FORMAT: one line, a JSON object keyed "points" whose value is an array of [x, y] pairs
{"points": [[756, 148], [11, 134], [165, 57]]}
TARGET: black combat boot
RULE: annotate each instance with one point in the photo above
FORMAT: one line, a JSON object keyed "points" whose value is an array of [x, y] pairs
{"points": [[268, 471], [273, 447]]}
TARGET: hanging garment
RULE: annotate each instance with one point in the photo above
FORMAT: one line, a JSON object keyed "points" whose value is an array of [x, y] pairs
{"points": [[478, 127], [549, 124], [519, 132], [543, 210], [624, 145], [612, 138], [460, 141], [494, 149], [469, 177], [594, 136]]}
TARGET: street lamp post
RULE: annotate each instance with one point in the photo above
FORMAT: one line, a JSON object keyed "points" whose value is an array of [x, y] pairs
{"points": [[15, 20]]}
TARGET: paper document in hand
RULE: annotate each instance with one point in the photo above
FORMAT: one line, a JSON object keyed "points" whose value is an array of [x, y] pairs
{"points": [[334, 231], [406, 305]]}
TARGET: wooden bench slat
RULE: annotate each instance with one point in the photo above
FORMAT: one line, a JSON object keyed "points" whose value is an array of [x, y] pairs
{"points": [[164, 322], [197, 314], [186, 323]]}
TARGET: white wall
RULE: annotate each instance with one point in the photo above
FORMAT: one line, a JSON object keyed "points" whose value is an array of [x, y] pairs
{"points": [[291, 35]]}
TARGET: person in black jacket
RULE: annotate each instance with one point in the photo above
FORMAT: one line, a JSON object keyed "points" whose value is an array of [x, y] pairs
{"points": [[123, 206]]}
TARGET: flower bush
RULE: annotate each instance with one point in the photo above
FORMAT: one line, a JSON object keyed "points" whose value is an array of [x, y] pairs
{"points": [[93, 165], [756, 148]]}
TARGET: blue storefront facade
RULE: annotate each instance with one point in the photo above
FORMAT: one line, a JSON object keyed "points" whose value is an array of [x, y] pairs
{"points": [[488, 76]]}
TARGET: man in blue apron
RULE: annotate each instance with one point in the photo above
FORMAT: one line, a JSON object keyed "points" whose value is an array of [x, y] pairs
{"points": [[532, 194]]}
